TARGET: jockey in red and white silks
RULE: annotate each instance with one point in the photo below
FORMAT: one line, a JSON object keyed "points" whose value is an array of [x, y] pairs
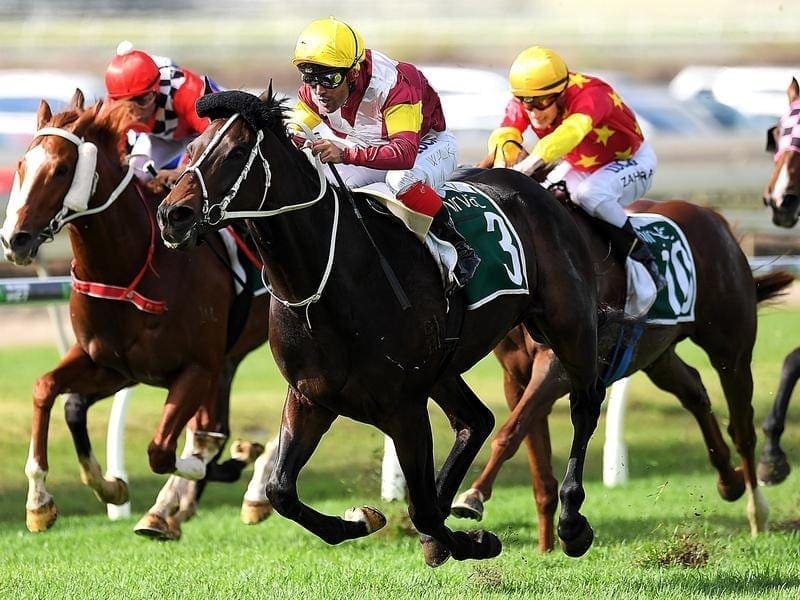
{"points": [[387, 119], [393, 119], [162, 96]]}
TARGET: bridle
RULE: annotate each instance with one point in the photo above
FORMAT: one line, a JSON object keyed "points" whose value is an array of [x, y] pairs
{"points": [[69, 211], [214, 213]]}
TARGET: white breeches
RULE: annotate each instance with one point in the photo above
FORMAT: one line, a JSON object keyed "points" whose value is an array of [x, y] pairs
{"points": [[436, 161]]}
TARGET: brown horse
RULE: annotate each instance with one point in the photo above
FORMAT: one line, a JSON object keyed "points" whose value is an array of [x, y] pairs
{"points": [[171, 326], [346, 344], [782, 195], [533, 375]]}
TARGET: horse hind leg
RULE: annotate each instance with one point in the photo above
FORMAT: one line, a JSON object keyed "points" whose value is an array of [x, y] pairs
{"points": [[773, 467], [673, 375], [737, 383]]}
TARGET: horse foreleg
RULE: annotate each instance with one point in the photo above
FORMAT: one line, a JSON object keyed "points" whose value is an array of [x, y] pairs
{"points": [[773, 467], [302, 426], [411, 433], [188, 392], [77, 373], [472, 423], [673, 375], [256, 507]]}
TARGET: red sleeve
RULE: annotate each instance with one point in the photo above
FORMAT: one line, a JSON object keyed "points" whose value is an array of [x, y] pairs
{"points": [[192, 89], [400, 153], [516, 116]]}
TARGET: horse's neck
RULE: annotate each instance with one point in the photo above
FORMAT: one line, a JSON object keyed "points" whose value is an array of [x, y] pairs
{"points": [[112, 246]]}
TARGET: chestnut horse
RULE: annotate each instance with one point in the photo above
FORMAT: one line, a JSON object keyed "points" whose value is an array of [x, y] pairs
{"points": [[346, 345], [533, 375], [782, 195], [169, 328]]}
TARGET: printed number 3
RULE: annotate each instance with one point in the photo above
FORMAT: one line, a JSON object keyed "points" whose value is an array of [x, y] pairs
{"points": [[495, 223]]}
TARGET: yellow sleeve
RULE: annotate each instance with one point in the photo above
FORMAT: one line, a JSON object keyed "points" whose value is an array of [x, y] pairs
{"points": [[498, 145], [565, 137], [403, 117], [301, 113]]}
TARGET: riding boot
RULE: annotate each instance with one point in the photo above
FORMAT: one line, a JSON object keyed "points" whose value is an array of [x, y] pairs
{"points": [[444, 229], [628, 241]]}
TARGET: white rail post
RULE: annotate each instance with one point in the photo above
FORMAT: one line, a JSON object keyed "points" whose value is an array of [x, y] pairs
{"points": [[115, 450], [393, 484], [615, 452]]}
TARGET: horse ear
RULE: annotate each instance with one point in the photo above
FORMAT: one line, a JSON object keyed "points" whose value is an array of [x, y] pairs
{"points": [[207, 89], [794, 90], [78, 100], [266, 94], [43, 115]]}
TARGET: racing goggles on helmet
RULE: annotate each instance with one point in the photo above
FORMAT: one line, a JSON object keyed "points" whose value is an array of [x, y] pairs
{"points": [[327, 78], [539, 102]]}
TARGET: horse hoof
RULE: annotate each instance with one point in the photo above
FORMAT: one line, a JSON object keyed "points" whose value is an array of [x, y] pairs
{"points": [[773, 470], [157, 527], [435, 554], [577, 545], [245, 451], [255, 512], [372, 518], [41, 518], [468, 505], [733, 489], [484, 543]]}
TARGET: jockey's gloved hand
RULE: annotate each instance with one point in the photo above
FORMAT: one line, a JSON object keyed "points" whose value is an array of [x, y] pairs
{"points": [[530, 164]]}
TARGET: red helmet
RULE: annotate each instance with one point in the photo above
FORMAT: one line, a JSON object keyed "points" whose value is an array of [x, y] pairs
{"points": [[131, 73]]}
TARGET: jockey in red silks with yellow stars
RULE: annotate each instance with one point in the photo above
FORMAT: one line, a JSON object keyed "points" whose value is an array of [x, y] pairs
{"points": [[161, 96], [388, 123], [579, 119]]}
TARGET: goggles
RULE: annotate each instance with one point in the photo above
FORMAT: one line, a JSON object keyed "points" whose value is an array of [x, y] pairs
{"points": [[144, 100], [327, 79], [539, 102]]}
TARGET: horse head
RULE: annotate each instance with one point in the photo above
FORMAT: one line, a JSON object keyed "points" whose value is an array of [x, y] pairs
{"points": [[782, 193], [218, 184], [56, 177]]}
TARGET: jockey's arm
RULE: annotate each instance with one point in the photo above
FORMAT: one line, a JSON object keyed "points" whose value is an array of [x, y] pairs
{"points": [[554, 146], [403, 122]]}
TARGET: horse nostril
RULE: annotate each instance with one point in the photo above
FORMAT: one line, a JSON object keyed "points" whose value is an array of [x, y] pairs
{"points": [[18, 241], [179, 215]]}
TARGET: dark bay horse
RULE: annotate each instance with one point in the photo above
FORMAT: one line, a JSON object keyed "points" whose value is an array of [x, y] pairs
{"points": [[782, 196], [171, 328], [533, 377], [345, 344]]}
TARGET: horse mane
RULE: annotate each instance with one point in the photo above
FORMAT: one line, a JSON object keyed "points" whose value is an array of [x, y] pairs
{"points": [[258, 112], [106, 128]]}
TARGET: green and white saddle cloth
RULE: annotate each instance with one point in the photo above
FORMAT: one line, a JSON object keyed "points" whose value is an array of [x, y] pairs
{"points": [[478, 218], [675, 303]]}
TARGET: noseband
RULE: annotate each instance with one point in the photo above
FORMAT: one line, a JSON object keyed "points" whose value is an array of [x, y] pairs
{"points": [[63, 216]]}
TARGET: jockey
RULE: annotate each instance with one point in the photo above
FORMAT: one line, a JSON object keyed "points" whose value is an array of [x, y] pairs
{"points": [[161, 96], [388, 121], [579, 118]]}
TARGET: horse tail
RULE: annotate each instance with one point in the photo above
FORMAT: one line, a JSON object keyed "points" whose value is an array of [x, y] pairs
{"points": [[773, 284]]}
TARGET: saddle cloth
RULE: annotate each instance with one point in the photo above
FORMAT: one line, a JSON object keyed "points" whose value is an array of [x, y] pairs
{"points": [[483, 224], [675, 303]]}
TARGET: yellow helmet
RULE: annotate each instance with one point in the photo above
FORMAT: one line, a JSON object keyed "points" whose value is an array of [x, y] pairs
{"points": [[538, 71], [331, 43]]}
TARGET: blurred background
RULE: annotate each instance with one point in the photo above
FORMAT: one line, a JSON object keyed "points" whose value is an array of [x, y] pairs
{"points": [[705, 77]]}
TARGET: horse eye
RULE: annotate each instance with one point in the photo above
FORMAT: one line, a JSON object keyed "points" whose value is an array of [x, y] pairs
{"points": [[238, 153], [61, 170]]}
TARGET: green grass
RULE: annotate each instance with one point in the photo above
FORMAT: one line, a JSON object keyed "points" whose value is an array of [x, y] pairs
{"points": [[647, 532]]}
